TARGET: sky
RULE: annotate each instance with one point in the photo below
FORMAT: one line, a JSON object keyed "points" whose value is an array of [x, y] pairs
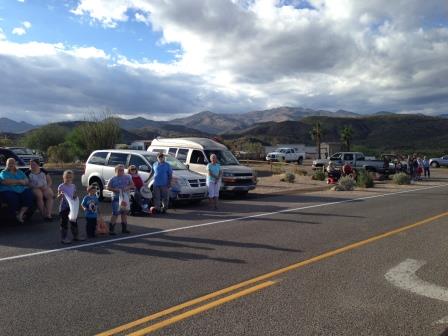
{"points": [[161, 59]]}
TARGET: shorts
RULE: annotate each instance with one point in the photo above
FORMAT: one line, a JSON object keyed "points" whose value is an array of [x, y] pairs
{"points": [[213, 189]]}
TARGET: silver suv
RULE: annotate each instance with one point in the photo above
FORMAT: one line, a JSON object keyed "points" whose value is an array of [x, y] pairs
{"points": [[100, 168]]}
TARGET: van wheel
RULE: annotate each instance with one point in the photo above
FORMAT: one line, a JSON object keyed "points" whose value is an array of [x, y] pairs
{"points": [[300, 161], [99, 189], [435, 164]]}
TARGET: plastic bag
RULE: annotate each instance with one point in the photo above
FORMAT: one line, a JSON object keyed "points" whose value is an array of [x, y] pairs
{"points": [[101, 227], [73, 204], [123, 201]]}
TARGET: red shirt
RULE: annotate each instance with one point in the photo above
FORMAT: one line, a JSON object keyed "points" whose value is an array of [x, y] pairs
{"points": [[138, 182]]}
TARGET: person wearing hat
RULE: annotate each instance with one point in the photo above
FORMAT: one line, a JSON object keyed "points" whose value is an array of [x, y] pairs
{"points": [[162, 181], [141, 193]]}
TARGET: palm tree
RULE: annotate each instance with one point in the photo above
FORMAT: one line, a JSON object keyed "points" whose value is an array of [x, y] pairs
{"points": [[316, 135], [346, 136]]}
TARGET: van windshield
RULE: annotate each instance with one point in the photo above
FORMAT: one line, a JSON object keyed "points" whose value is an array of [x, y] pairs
{"points": [[225, 157], [173, 162]]}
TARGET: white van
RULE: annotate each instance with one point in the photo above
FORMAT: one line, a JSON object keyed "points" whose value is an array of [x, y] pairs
{"points": [[100, 168], [195, 153]]}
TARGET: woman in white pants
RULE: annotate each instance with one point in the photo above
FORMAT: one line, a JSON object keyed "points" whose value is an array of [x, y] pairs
{"points": [[214, 173]]}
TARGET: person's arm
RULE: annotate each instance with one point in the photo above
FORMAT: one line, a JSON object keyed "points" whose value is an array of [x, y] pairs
{"points": [[48, 178], [170, 175], [130, 185], [110, 188], [60, 193], [84, 203]]}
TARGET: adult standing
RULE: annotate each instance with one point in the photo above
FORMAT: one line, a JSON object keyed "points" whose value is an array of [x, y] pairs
{"points": [[14, 190], [163, 175], [426, 167], [214, 174], [40, 182]]}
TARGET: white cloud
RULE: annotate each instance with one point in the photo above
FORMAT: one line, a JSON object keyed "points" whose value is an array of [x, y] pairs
{"points": [[19, 31], [23, 29], [238, 55]]}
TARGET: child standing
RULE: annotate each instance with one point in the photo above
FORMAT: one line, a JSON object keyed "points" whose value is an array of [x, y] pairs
{"points": [[120, 183], [67, 189], [90, 206]]}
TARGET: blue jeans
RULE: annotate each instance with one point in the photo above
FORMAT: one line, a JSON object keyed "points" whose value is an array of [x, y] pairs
{"points": [[15, 200]]}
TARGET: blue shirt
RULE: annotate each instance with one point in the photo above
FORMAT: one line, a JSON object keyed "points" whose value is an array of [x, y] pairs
{"points": [[162, 174], [214, 169], [120, 182], [7, 175], [91, 205]]}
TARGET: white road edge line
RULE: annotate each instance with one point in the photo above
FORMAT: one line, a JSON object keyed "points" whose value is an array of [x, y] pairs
{"points": [[75, 247], [403, 276]]}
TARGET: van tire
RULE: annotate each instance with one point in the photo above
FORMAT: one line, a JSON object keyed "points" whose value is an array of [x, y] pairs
{"points": [[300, 161]]}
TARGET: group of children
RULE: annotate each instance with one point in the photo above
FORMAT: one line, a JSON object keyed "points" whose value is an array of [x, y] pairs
{"points": [[120, 184]]}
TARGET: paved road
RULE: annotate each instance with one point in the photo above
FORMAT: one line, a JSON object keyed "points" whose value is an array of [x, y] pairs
{"points": [[365, 289]]}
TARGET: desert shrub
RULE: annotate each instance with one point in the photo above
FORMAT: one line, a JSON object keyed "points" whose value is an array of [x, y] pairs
{"points": [[364, 179], [346, 183], [278, 168], [318, 175], [61, 153], [288, 177], [401, 178]]}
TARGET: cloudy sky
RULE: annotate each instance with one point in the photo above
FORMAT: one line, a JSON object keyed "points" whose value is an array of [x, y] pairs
{"points": [[166, 58]]}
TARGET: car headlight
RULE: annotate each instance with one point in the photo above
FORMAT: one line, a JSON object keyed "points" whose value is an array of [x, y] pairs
{"points": [[227, 174], [182, 182]]}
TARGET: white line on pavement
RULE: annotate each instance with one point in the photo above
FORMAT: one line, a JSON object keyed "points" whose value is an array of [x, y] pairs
{"points": [[404, 277], [109, 241]]}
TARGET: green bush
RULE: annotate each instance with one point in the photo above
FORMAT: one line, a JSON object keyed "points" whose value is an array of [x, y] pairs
{"points": [[346, 183], [318, 175], [364, 179], [288, 177], [401, 178]]}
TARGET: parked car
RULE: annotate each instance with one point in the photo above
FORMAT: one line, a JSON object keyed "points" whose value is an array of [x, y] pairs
{"points": [[286, 155], [195, 153], [358, 160], [100, 168], [439, 162], [5, 154], [27, 154]]}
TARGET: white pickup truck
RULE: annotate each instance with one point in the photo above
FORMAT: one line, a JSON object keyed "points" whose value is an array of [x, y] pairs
{"points": [[286, 155]]}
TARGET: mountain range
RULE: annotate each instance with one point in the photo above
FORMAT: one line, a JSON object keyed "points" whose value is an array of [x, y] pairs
{"points": [[206, 121]]}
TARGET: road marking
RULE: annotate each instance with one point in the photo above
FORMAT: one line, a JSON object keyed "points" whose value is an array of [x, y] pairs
{"points": [[404, 277], [201, 309], [109, 241], [277, 272]]}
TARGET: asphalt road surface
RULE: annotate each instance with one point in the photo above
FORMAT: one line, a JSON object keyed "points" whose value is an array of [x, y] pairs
{"points": [[310, 264]]}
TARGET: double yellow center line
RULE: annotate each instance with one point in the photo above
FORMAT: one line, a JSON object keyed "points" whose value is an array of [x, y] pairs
{"points": [[251, 282]]}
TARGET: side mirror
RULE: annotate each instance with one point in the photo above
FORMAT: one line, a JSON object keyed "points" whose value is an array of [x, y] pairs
{"points": [[188, 166]]}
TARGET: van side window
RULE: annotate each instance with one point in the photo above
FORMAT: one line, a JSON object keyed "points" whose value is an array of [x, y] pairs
{"points": [[117, 158], [159, 150], [348, 157], [172, 151], [98, 158], [182, 154], [197, 157], [137, 161]]}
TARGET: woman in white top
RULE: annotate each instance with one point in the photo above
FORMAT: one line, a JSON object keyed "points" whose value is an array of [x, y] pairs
{"points": [[40, 182]]}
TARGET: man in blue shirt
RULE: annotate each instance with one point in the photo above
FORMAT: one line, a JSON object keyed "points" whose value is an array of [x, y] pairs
{"points": [[162, 181]]}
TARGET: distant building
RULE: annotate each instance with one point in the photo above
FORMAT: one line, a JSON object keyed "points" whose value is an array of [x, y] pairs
{"points": [[140, 144], [329, 148]]}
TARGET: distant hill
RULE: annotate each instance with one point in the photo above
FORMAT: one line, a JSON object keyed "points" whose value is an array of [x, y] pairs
{"points": [[11, 126], [405, 133], [215, 123]]}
